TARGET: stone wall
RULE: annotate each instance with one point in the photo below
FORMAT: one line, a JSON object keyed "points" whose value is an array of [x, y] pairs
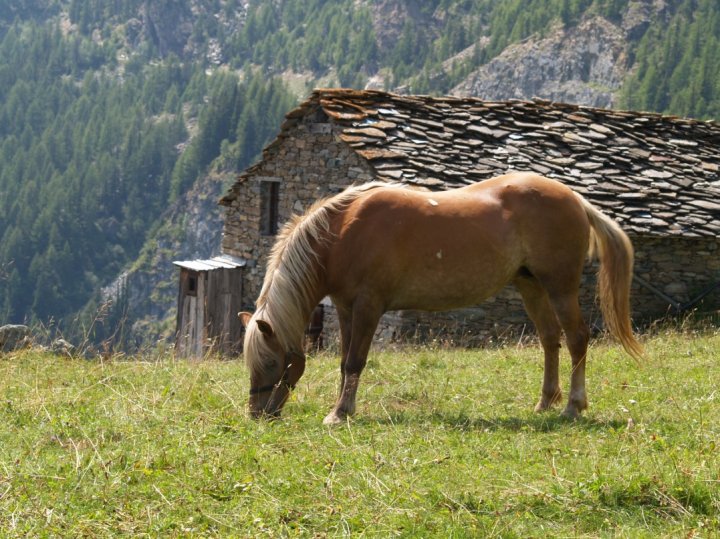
{"points": [[679, 268]]}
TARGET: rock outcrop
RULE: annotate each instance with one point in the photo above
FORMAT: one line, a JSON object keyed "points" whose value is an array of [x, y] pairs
{"points": [[584, 64], [389, 18], [14, 337]]}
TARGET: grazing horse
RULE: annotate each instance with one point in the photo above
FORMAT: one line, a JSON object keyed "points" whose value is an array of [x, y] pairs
{"points": [[381, 247]]}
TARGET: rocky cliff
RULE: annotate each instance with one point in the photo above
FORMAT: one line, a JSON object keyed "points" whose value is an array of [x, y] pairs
{"points": [[584, 64]]}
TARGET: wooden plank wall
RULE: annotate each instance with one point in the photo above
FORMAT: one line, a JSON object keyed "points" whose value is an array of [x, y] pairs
{"points": [[223, 302], [191, 315], [207, 316]]}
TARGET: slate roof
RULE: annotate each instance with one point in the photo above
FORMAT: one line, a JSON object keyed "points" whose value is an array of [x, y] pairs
{"points": [[655, 174]]}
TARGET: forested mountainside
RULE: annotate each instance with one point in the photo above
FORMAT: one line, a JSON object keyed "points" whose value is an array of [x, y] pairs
{"points": [[121, 122]]}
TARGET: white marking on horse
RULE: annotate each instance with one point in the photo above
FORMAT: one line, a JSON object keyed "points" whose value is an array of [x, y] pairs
{"points": [[432, 202], [439, 254]]}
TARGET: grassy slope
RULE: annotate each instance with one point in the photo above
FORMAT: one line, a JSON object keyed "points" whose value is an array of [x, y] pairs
{"points": [[445, 444]]}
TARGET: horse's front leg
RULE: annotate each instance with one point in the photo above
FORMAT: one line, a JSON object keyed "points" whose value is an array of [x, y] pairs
{"points": [[355, 345], [345, 322]]}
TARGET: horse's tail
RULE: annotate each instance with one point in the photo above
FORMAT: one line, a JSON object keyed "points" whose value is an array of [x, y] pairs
{"points": [[615, 252]]}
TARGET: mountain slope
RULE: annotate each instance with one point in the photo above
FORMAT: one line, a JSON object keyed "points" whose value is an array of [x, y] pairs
{"points": [[115, 117]]}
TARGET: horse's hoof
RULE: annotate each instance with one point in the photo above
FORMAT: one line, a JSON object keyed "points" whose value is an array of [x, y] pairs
{"points": [[333, 419], [545, 403], [570, 413], [541, 407]]}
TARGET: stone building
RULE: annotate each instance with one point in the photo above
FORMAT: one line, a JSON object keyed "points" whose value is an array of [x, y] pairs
{"points": [[658, 176]]}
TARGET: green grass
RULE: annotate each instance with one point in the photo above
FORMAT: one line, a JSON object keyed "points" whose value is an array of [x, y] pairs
{"points": [[445, 444]]}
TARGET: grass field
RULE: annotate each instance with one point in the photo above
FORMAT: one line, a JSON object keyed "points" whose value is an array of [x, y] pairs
{"points": [[445, 444]]}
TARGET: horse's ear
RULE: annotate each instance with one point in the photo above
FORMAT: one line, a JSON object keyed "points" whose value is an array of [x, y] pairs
{"points": [[265, 328], [244, 318]]}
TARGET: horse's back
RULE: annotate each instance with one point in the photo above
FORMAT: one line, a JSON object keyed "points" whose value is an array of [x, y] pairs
{"points": [[430, 250], [495, 207]]}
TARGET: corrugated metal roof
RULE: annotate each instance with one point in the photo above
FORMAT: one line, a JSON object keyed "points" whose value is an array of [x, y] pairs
{"points": [[218, 262]]}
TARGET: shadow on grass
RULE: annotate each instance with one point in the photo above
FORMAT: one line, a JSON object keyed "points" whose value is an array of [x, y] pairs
{"points": [[543, 422]]}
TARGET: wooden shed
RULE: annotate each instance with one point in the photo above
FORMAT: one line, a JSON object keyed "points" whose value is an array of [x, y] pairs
{"points": [[208, 303]]}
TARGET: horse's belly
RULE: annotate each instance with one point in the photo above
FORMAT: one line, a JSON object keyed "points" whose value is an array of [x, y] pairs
{"points": [[444, 254], [440, 287]]}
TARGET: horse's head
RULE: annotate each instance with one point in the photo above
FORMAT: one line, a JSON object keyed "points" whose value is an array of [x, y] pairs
{"points": [[274, 370]]}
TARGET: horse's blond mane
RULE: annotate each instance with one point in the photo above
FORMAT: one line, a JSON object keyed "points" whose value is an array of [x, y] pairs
{"points": [[292, 277]]}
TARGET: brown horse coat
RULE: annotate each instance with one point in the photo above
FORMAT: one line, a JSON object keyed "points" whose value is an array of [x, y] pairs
{"points": [[407, 249], [378, 248]]}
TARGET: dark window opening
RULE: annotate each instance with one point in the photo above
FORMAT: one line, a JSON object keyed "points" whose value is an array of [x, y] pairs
{"points": [[269, 196], [192, 285]]}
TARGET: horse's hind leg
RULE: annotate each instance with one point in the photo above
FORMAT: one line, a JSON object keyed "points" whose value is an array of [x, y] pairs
{"points": [[362, 328], [577, 335], [538, 307]]}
